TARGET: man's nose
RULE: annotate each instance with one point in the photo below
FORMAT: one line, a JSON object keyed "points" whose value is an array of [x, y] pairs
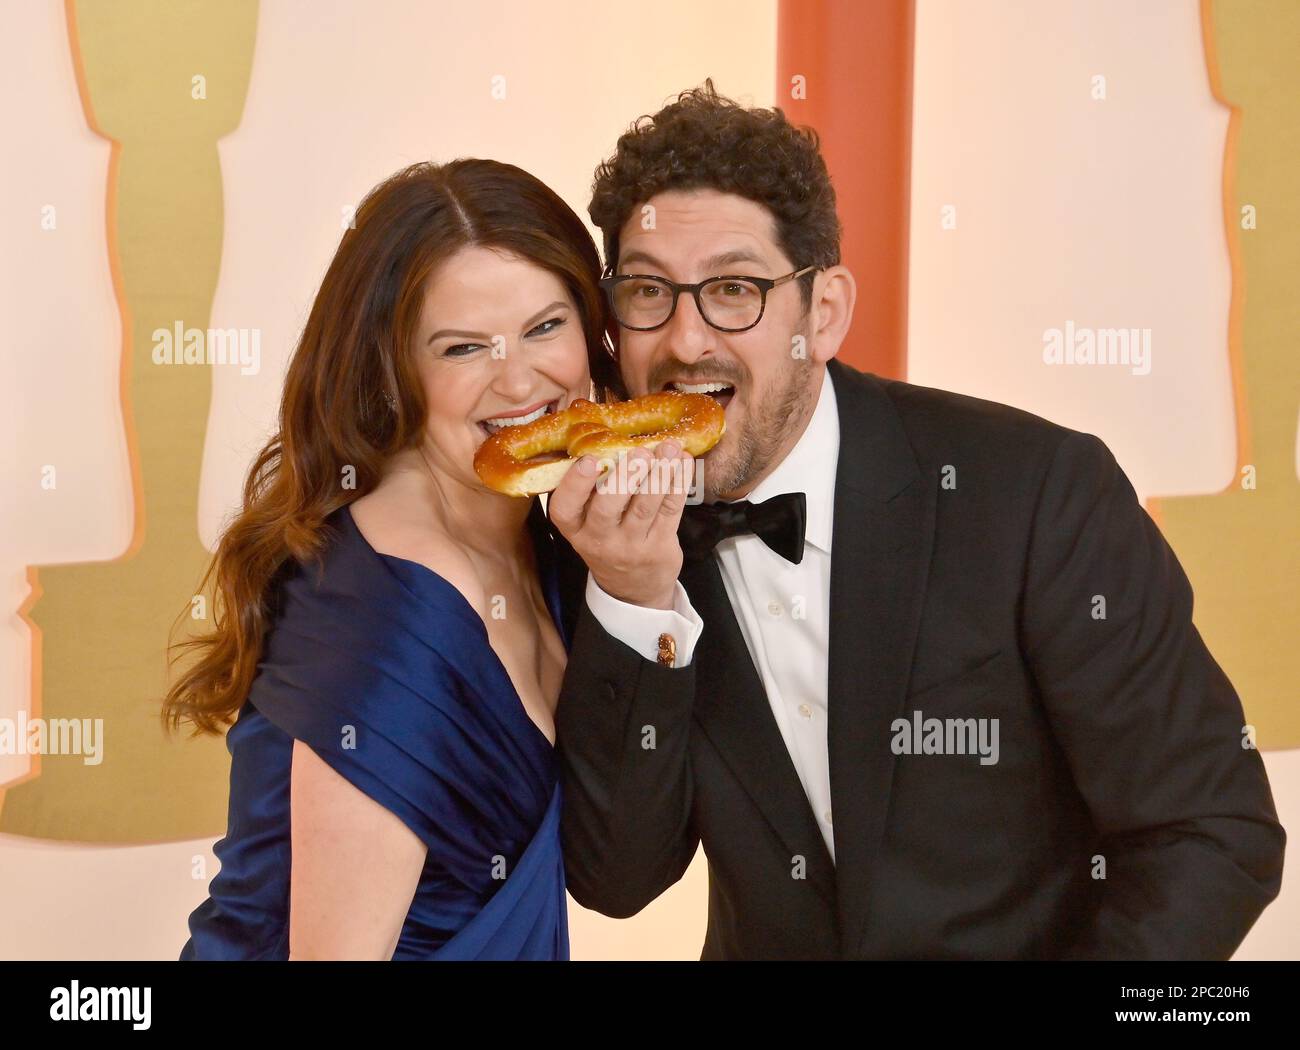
{"points": [[688, 335]]}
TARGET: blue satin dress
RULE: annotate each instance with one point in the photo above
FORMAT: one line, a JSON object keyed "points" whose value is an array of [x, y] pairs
{"points": [[385, 670]]}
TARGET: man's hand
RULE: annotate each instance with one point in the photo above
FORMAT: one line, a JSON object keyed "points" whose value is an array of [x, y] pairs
{"points": [[624, 524]]}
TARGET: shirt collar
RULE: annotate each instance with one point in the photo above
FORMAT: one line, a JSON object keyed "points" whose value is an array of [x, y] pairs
{"points": [[810, 468]]}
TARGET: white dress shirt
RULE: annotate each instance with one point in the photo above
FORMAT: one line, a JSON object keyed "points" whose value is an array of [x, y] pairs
{"points": [[783, 610]]}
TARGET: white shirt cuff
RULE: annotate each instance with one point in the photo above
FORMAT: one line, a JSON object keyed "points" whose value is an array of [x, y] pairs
{"points": [[639, 627]]}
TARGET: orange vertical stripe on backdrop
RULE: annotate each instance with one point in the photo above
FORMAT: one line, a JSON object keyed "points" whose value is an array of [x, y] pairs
{"points": [[855, 58]]}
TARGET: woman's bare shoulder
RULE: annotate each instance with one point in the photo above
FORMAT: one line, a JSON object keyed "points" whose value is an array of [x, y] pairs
{"points": [[390, 528]]}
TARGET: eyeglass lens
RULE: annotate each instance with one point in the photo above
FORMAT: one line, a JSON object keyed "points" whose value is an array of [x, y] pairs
{"points": [[728, 302]]}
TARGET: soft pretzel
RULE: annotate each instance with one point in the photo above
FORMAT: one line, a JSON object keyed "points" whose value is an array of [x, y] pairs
{"points": [[532, 458]]}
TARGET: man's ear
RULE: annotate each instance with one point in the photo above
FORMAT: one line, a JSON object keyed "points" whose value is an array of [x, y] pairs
{"points": [[831, 311]]}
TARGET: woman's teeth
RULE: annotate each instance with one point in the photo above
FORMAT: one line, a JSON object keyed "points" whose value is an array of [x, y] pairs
{"points": [[500, 423]]}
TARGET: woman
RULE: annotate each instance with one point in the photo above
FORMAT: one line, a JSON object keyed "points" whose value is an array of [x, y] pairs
{"points": [[388, 628]]}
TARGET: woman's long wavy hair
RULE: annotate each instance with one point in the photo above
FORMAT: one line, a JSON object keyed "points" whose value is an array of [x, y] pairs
{"points": [[352, 397]]}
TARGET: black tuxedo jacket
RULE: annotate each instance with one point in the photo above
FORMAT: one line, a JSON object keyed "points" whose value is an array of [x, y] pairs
{"points": [[1123, 818]]}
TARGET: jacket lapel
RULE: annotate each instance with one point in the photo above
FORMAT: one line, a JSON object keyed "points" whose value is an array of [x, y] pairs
{"points": [[732, 708], [880, 555]]}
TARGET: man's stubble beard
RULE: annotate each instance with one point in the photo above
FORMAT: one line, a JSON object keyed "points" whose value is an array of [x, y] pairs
{"points": [[770, 423]]}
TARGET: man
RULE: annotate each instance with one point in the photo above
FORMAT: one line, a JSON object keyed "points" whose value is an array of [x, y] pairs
{"points": [[965, 714]]}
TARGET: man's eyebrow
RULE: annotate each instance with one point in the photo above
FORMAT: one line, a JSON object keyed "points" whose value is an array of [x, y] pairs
{"points": [[640, 257], [712, 265], [459, 333], [737, 255]]}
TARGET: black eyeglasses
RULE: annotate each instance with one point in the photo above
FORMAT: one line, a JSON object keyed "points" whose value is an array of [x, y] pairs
{"points": [[643, 303]]}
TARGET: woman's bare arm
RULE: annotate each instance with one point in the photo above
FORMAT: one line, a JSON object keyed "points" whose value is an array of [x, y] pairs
{"points": [[354, 870]]}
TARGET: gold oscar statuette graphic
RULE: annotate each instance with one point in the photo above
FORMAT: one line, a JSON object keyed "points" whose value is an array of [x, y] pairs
{"points": [[1241, 547], [164, 80]]}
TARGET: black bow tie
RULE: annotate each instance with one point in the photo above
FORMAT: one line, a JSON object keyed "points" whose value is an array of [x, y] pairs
{"points": [[778, 522]]}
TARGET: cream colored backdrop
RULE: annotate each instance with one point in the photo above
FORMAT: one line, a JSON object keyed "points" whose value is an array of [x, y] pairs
{"points": [[1043, 195], [341, 94]]}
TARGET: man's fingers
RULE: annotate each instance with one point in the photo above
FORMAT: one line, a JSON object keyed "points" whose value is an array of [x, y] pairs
{"points": [[679, 480], [567, 504], [643, 507], [605, 511], [629, 498]]}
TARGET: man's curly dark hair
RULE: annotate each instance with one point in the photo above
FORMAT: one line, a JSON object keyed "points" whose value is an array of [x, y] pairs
{"points": [[703, 140]]}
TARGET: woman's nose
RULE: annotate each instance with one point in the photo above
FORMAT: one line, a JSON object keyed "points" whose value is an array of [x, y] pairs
{"points": [[514, 375]]}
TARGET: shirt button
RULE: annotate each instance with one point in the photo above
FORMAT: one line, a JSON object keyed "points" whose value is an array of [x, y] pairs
{"points": [[805, 710], [774, 607], [827, 816]]}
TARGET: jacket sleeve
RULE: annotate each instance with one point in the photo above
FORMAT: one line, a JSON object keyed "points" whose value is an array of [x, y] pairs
{"points": [[1151, 727], [622, 731]]}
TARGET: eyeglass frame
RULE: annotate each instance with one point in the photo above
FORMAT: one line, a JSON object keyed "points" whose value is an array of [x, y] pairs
{"points": [[765, 285]]}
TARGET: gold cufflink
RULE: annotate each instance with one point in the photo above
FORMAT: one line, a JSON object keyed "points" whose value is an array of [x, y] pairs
{"points": [[667, 650]]}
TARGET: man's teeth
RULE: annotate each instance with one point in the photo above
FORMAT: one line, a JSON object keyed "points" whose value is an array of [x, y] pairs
{"points": [[700, 388], [493, 425]]}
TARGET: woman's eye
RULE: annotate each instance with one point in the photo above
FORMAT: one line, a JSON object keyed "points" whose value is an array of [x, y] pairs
{"points": [[546, 327], [461, 349]]}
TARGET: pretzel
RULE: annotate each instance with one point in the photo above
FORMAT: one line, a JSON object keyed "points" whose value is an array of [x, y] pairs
{"points": [[531, 458]]}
